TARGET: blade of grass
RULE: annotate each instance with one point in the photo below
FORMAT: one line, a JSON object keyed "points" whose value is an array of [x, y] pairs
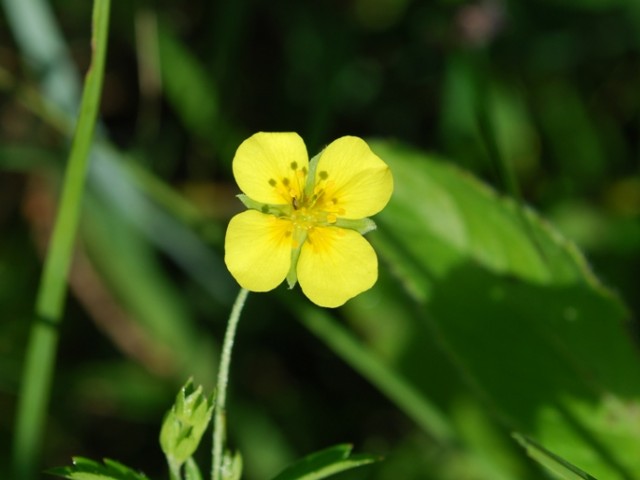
{"points": [[41, 350], [412, 402]]}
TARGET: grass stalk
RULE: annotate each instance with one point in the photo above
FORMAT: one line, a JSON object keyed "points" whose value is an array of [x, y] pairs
{"points": [[42, 345]]}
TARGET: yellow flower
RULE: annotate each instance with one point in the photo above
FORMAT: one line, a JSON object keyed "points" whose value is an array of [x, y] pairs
{"points": [[306, 218]]}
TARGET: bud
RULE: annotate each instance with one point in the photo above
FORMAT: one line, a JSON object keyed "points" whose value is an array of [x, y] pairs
{"points": [[184, 424]]}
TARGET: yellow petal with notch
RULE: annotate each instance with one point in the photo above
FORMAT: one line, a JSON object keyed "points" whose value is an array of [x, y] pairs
{"points": [[271, 167], [335, 265], [355, 177], [258, 250]]}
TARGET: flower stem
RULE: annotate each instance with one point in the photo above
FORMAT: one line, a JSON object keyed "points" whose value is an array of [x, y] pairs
{"points": [[219, 426]]}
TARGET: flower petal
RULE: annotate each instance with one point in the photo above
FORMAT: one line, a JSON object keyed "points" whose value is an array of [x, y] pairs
{"points": [[335, 265], [354, 178], [271, 167], [258, 250]]}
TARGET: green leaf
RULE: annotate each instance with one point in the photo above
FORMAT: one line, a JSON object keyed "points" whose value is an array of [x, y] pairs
{"points": [[516, 309], [459, 218], [558, 466], [232, 466], [325, 463], [184, 424], [85, 469]]}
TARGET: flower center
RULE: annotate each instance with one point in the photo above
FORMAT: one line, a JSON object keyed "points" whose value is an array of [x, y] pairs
{"points": [[309, 209]]}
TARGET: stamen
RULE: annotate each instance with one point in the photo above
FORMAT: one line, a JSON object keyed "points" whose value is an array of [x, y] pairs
{"points": [[323, 175], [272, 182], [286, 181], [294, 165]]}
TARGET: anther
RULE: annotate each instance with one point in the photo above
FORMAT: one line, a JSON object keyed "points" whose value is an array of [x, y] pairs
{"points": [[294, 165], [285, 181], [323, 175], [272, 182]]}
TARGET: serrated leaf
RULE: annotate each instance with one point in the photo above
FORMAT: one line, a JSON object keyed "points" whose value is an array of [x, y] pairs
{"points": [[518, 311], [559, 467], [325, 463], [458, 218], [185, 423], [86, 469]]}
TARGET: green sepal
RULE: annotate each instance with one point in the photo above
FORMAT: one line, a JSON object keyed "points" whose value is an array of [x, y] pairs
{"points": [[362, 225], [185, 423], [278, 210], [311, 176], [300, 236]]}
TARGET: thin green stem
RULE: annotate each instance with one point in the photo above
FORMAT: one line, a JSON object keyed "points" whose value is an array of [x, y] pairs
{"points": [[42, 346], [220, 418], [174, 472]]}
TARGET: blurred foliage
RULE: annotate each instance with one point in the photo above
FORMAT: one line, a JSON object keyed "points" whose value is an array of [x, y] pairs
{"points": [[486, 318]]}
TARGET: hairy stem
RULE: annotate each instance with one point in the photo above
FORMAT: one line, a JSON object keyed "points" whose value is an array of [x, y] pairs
{"points": [[219, 427]]}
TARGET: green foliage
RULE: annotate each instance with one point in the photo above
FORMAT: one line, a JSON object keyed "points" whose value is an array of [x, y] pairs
{"points": [[561, 366], [485, 320], [325, 463], [184, 425], [560, 468], [231, 466], [85, 469], [41, 351]]}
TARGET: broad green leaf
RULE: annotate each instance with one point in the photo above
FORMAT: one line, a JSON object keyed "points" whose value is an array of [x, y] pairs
{"points": [[559, 467], [516, 309], [325, 463], [441, 216], [85, 469]]}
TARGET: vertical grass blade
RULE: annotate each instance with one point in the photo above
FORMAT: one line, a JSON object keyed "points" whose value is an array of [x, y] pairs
{"points": [[412, 402], [41, 349]]}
